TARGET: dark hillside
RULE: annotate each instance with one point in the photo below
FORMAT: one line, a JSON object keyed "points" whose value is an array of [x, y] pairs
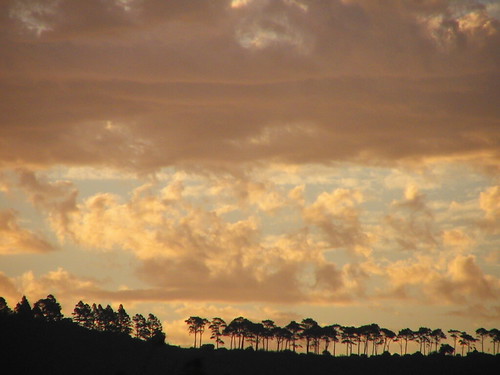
{"points": [[34, 346]]}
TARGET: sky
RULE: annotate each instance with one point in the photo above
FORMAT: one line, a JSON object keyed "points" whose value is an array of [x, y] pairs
{"points": [[273, 159]]}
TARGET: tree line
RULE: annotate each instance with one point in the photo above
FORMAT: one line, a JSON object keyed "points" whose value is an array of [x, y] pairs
{"points": [[363, 340], [241, 333], [94, 317]]}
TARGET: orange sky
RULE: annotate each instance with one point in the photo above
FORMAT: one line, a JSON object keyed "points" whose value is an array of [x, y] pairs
{"points": [[281, 159]]}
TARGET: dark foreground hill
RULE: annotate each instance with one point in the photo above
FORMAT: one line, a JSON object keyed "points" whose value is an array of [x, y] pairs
{"points": [[31, 346]]}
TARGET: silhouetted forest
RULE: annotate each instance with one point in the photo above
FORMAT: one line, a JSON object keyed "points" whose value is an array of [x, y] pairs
{"points": [[99, 340]]}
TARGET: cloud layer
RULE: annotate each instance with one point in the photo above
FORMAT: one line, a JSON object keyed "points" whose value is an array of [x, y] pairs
{"points": [[146, 84]]}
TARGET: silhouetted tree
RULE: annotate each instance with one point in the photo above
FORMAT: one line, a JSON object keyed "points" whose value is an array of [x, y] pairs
{"points": [[349, 337], [4, 308], [82, 314], [307, 331], [48, 308], [109, 320], [294, 328], [437, 335], [282, 335], [98, 315], [446, 349], [466, 340], [23, 309], [256, 333], [405, 335], [329, 334], [422, 337], [239, 329], [196, 325], [357, 338], [482, 333], [269, 327], [124, 321], [36, 312], [387, 337], [316, 335], [141, 328], [217, 326], [455, 334], [231, 332], [495, 339], [155, 329], [369, 333]]}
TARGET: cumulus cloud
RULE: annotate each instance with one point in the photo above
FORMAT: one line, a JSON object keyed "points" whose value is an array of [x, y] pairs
{"points": [[66, 286], [489, 201], [8, 289], [337, 216], [57, 199], [411, 222], [62, 283], [458, 280], [14, 239], [187, 248], [465, 280], [457, 239]]}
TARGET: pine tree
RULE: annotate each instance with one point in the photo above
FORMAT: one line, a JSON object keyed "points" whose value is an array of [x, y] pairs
{"points": [[141, 328], [124, 321], [99, 319], [156, 333], [4, 308], [48, 308], [110, 320], [82, 314], [217, 326], [37, 312], [23, 309]]}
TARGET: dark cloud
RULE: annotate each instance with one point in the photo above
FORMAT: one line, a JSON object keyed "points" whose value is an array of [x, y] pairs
{"points": [[201, 83]]}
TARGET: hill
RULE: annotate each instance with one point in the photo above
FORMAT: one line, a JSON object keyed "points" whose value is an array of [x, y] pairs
{"points": [[30, 346]]}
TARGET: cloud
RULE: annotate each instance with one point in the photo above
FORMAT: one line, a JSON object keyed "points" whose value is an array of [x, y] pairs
{"points": [[8, 289], [143, 85], [65, 285], [457, 280], [458, 239], [489, 202], [57, 199], [187, 248], [478, 311], [17, 240], [337, 216], [465, 278], [411, 222]]}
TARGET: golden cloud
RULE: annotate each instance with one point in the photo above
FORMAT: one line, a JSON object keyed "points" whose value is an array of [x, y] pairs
{"points": [[16, 240]]}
